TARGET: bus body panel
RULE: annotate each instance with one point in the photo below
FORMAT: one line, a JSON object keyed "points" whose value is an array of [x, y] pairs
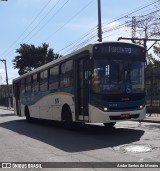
{"points": [[99, 116], [50, 106]]}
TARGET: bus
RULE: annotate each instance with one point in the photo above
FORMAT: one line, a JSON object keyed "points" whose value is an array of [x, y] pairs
{"points": [[99, 83]]}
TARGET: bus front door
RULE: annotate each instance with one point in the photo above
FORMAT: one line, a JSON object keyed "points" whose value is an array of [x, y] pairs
{"points": [[82, 89]]}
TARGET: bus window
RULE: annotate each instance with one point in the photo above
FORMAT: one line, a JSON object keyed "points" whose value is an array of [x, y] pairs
{"points": [[54, 78], [23, 87], [28, 84], [35, 83], [66, 74], [44, 80]]}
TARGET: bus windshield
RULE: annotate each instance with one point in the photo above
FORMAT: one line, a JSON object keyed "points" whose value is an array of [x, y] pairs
{"points": [[118, 76]]}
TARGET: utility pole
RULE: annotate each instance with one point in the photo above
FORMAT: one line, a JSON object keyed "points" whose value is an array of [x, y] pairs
{"points": [[99, 22], [133, 27], [9, 102]]}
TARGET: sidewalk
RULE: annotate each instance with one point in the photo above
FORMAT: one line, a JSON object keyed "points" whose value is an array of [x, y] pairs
{"points": [[153, 118], [6, 108]]}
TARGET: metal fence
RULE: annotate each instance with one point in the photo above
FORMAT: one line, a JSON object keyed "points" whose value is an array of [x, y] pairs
{"points": [[152, 84], [4, 95]]}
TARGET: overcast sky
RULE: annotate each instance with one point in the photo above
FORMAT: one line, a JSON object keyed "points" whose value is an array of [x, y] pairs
{"points": [[60, 23]]}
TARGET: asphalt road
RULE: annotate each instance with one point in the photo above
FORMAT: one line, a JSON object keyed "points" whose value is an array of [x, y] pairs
{"points": [[43, 141]]}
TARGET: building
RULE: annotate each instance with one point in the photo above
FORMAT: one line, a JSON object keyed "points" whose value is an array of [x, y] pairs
{"points": [[4, 95], [152, 84]]}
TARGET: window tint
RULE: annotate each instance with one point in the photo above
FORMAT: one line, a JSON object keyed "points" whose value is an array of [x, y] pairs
{"points": [[35, 83], [66, 67], [54, 77], [28, 84], [66, 79], [44, 80], [22, 87]]}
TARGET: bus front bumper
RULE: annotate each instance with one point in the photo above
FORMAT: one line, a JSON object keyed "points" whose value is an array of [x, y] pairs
{"points": [[98, 116]]}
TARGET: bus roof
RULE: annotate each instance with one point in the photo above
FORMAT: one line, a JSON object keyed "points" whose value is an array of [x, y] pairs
{"points": [[85, 48]]}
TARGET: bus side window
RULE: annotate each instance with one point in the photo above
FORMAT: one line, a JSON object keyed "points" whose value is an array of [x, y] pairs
{"points": [[66, 76], [44, 80], [16, 89], [23, 86], [54, 77], [28, 84], [35, 84]]}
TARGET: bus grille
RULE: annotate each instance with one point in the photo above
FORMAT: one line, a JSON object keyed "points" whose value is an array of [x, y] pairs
{"points": [[134, 116]]}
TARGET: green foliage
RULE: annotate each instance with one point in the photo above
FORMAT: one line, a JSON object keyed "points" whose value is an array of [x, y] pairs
{"points": [[154, 60], [156, 50], [30, 57], [150, 59]]}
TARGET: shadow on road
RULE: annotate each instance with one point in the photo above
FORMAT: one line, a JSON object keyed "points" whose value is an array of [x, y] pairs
{"points": [[84, 138]]}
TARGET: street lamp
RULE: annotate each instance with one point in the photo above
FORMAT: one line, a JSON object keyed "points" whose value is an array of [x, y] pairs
{"points": [[9, 102]]}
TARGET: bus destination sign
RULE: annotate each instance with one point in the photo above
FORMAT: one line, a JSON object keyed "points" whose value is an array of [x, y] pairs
{"points": [[121, 50]]}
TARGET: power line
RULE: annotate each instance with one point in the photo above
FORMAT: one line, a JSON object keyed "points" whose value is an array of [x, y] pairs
{"points": [[70, 19], [80, 45], [140, 13], [89, 32], [48, 20], [143, 18], [43, 19], [93, 36], [132, 12], [94, 29], [71, 44], [120, 26], [11, 45], [117, 33], [116, 27], [119, 18]]}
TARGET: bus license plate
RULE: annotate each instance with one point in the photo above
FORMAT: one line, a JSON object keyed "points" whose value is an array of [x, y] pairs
{"points": [[125, 115]]}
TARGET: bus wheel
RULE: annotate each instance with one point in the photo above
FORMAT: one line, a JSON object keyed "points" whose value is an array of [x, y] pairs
{"points": [[67, 117], [109, 125], [27, 114]]}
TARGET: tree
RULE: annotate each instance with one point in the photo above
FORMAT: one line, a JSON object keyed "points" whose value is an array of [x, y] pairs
{"points": [[156, 50], [148, 25], [145, 27], [31, 57]]}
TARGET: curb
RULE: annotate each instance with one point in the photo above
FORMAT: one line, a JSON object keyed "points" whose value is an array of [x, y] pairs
{"points": [[6, 109], [151, 121]]}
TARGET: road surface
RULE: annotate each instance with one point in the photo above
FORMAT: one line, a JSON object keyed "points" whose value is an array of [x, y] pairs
{"points": [[43, 141]]}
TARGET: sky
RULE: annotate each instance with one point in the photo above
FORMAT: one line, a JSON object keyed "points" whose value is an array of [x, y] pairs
{"points": [[65, 25]]}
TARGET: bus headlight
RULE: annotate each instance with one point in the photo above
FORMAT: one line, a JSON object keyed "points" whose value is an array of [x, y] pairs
{"points": [[141, 107], [105, 109]]}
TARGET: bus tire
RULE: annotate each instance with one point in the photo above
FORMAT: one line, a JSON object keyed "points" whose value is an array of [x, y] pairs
{"points": [[27, 114], [67, 117], [109, 125]]}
